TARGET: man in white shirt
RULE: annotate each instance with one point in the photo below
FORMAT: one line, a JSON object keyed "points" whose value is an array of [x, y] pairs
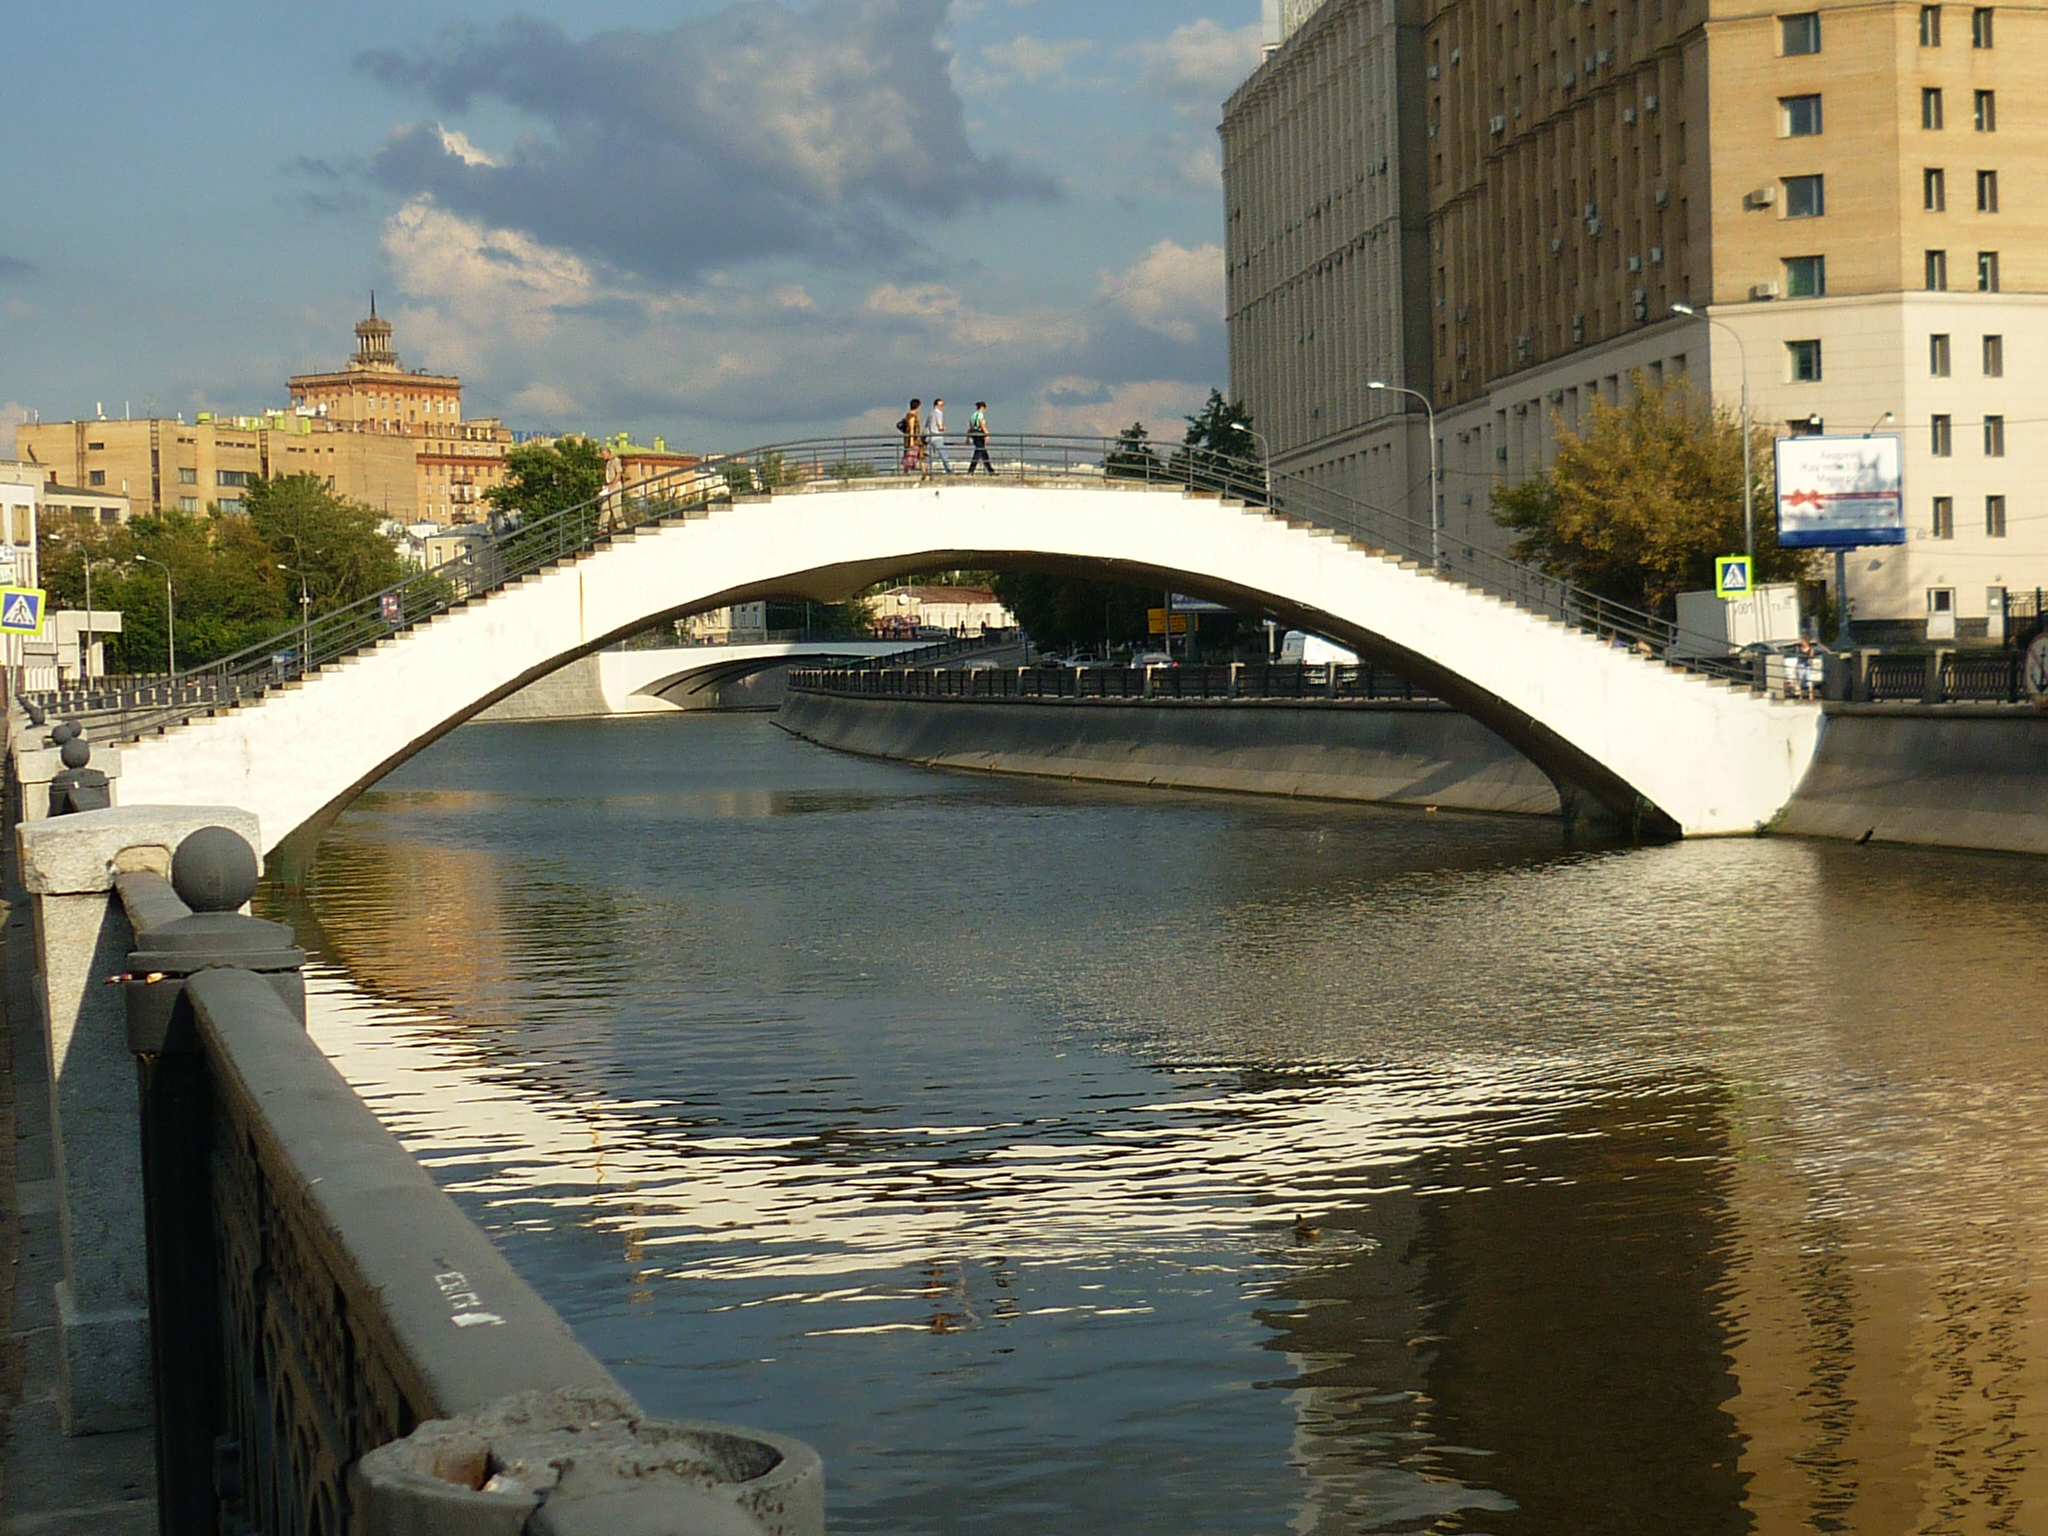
{"points": [[935, 434]]}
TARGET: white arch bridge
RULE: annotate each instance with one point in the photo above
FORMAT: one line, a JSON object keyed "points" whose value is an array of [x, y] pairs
{"points": [[295, 729]]}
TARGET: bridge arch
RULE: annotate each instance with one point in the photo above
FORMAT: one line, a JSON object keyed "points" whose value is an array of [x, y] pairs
{"points": [[1659, 749]]}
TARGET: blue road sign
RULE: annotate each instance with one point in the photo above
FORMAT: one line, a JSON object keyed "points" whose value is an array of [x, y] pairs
{"points": [[21, 610], [1732, 576]]}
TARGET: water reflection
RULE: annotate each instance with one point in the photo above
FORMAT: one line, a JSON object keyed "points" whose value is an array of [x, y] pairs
{"points": [[963, 1127]]}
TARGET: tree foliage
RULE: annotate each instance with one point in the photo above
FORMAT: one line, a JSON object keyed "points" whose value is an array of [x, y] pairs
{"points": [[1133, 457], [1638, 504], [1219, 451], [548, 477], [1066, 611], [338, 545]]}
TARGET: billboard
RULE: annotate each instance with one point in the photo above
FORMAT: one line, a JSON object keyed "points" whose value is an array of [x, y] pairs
{"points": [[1839, 492]]}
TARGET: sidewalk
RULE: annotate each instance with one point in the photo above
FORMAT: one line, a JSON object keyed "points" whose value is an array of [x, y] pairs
{"points": [[50, 1483]]}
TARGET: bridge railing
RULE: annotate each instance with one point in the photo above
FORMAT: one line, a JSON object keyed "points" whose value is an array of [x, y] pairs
{"points": [[326, 1345], [511, 550], [1249, 681]]}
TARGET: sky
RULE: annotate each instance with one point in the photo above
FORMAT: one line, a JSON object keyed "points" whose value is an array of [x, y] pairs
{"points": [[727, 222]]}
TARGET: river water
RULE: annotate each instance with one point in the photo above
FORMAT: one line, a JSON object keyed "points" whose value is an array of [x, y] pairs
{"points": [[1068, 1160]]}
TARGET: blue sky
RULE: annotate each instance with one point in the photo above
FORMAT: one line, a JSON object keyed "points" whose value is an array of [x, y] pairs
{"points": [[723, 222]]}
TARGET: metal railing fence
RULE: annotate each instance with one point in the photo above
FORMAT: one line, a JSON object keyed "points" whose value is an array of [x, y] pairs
{"points": [[1248, 681], [509, 553]]}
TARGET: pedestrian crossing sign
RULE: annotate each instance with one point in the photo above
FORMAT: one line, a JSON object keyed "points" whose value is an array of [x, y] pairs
{"points": [[21, 610], [1731, 576]]}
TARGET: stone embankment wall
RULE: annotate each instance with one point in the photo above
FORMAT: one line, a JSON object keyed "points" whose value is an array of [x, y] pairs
{"points": [[1383, 752], [1945, 776]]}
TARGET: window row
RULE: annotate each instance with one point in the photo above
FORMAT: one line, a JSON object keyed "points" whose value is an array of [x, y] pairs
{"points": [[1983, 110], [1800, 33], [1938, 356], [1941, 437], [1944, 519], [1980, 26], [1937, 271], [1934, 190]]}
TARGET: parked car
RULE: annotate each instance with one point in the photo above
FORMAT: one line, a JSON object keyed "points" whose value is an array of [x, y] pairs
{"points": [[1153, 659]]}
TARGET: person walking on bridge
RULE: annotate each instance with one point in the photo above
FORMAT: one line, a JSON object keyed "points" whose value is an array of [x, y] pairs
{"points": [[935, 434], [977, 434], [912, 428]]}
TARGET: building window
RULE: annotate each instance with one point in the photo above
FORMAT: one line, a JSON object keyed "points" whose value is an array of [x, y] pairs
{"points": [[1941, 436], [1937, 356], [1994, 437], [1803, 360], [1805, 197], [1987, 271], [1806, 277], [95, 477], [229, 504], [1798, 116], [188, 477], [1994, 357], [1944, 517], [1994, 517], [188, 503], [1937, 271], [1930, 107], [231, 477], [1987, 191], [1986, 110], [1930, 26], [1801, 33], [1933, 189], [1980, 27]]}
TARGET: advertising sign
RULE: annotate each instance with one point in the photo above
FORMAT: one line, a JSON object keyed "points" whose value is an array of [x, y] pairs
{"points": [[1839, 492], [389, 608], [21, 610]]}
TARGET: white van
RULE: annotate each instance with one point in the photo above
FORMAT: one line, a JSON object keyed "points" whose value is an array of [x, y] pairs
{"points": [[1302, 649]]}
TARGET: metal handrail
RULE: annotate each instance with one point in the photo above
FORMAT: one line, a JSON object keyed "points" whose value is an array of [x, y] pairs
{"points": [[506, 554]]}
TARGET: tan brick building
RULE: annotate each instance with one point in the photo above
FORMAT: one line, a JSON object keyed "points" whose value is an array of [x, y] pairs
{"points": [[1497, 202], [394, 440]]}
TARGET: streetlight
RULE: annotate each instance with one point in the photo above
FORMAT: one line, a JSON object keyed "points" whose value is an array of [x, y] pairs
{"points": [[1436, 511], [170, 611], [305, 621], [1748, 475], [1265, 456]]}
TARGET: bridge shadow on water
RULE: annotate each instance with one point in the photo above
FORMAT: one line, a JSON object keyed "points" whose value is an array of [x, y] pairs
{"points": [[1086, 1160]]}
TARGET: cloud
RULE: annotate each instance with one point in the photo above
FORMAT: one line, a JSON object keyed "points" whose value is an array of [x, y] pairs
{"points": [[1200, 64], [1173, 290], [1089, 408], [760, 131], [1026, 60]]}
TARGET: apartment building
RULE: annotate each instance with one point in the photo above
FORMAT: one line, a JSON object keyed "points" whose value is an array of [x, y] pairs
{"points": [[394, 440], [1852, 198]]}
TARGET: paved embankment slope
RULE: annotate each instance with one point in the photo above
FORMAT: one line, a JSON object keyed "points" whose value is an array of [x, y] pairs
{"points": [[1383, 752], [1945, 776]]}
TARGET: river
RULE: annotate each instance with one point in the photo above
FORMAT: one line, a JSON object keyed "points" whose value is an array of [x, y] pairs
{"points": [[1060, 1159]]}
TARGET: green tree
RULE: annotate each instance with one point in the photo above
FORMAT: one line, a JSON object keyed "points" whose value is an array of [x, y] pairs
{"points": [[1133, 457], [1219, 451], [1065, 611], [1638, 504], [337, 545], [228, 591], [549, 477]]}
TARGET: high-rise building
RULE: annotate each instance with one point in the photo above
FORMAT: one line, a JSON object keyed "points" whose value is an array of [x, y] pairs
{"points": [[394, 440], [1498, 203]]}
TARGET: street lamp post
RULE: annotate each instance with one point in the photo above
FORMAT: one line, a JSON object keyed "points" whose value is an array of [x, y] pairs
{"points": [[1265, 456], [1436, 510], [1748, 474], [305, 621], [170, 612]]}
